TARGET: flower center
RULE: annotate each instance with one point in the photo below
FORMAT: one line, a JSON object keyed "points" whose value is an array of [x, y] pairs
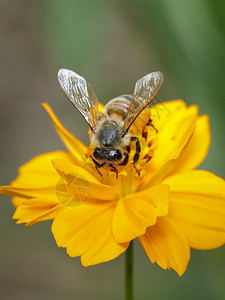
{"points": [[127, 172]]}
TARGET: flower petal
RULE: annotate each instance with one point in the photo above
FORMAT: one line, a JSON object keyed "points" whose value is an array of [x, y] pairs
{"points": [[26, 192], [163, 112], [170, 141], [165, 244], [16, 201], [86, 231], [39, 172], [32, 211], [76, 148], [134, 213], [197, 205], [78, 177], [196, 149], [175, 135]]}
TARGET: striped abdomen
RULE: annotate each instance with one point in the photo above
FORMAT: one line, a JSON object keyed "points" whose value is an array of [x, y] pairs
{"points": [[118, 106]]}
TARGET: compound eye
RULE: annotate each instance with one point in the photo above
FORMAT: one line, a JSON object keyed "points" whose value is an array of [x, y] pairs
{"points": [[117, 155], [98, 153]]}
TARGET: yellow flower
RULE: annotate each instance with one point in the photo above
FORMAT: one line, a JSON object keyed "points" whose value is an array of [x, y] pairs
{"points": [[163, 201]]}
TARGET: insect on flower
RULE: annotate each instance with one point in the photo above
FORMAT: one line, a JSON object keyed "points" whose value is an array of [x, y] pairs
{"points": [[110, 129], [168, 205]]}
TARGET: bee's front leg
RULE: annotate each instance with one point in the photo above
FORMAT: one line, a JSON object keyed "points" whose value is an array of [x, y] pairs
{"points": [[98, 165], [115, 170], [124, 163]]}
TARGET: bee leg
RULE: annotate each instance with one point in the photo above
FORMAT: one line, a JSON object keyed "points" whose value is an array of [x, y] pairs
{"points": [[114, 169], [138, 150], [150, 124], [98, 165], [135, 159], [124, 163], [138, 147]]}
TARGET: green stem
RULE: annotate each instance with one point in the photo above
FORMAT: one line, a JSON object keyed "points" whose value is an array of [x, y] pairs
{"points": [[129, 272]]}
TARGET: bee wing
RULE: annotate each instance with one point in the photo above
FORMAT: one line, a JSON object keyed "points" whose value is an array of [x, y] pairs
{"points": [[80, 94], [145, 91]]}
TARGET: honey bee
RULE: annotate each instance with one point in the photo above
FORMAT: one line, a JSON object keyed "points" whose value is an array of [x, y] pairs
{"points": [[110, 129]]}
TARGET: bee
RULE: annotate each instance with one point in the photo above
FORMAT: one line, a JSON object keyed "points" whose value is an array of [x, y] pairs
{"points": [[110, 129]]}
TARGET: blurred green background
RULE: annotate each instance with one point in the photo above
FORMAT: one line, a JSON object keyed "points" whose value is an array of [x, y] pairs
{"points": [[111, 44]]}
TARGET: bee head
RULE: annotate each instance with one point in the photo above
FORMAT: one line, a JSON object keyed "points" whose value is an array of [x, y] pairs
{"points": [[105, 155]]}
